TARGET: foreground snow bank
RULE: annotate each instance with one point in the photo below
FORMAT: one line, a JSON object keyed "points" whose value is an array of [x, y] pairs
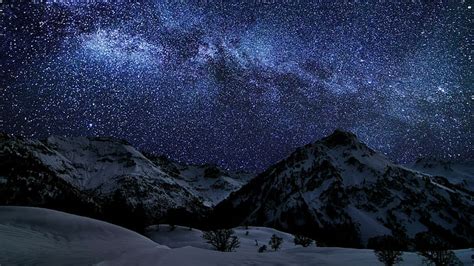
{"points": [[46, 237], [34, 236]]}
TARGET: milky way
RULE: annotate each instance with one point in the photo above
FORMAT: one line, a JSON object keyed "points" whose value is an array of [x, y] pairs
{"points": [[241, 84]]}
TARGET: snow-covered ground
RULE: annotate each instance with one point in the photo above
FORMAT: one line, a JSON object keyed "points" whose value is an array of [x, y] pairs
{"points": [[46, 237], [182, 237]]}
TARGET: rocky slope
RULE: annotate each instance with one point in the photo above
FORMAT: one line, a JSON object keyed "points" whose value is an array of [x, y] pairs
{"points": [[211, 183], [342, 192], [103, 177], [459, 173]]}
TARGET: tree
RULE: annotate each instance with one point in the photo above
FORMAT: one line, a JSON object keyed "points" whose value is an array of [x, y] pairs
{"points": [[119, 211], [387, 249], [222, 239], [303, 240], [275, 242], [435, 250]]}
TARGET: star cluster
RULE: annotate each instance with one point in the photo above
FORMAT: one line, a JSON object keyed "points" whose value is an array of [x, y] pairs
{"points": [[241, 84]]}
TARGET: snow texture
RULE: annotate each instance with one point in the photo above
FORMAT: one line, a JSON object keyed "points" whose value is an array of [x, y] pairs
{"points": [[34, 236]]}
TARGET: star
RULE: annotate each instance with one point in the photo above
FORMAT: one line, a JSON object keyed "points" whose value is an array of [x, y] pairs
{"points": [[241, 84]]}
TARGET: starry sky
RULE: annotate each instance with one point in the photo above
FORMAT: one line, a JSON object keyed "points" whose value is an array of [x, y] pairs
{"points": [[241, 83]]}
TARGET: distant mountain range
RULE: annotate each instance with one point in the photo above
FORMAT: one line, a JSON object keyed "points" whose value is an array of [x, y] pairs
{"points": [[336, 190]]}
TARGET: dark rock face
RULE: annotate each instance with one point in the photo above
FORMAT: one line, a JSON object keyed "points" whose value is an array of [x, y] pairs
{"points": [[340, 138]]}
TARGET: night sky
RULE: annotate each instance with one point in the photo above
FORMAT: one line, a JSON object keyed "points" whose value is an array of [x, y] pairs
{"points": [[241, 84]]}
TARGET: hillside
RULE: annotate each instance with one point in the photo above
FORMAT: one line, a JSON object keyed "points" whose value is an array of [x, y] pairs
{"points": [[108, 179]]}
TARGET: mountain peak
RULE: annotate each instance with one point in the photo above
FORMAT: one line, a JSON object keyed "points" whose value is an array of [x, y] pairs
{"points": [[340, 138]]}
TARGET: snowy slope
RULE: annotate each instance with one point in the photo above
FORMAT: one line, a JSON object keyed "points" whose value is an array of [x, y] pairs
{"points": [[461, 173], [105, 166], [343, 192], [107, 174], [91, 163], [35, 236], [46, 237], [110, 173]]}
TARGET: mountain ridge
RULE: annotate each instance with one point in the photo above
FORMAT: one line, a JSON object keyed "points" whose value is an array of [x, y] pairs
{"points": [[341, 191]]}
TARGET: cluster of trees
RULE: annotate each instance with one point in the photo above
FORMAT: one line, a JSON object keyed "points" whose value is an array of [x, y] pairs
{"points": [[225, 240], [435, 251], [388, 249]]}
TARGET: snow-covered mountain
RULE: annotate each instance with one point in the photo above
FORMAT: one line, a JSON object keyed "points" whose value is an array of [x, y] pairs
{"points": [[107, 177], [336, 190], [342, 192]]}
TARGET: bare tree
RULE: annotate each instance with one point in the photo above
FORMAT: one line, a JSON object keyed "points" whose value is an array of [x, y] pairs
{"points": [[435, 251], [387, 249], [222, 239]]}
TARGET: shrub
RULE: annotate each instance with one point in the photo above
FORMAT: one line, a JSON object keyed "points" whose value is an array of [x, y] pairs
{"points": [[222, 239], [275, 242], [387, 249], [262, 249], [303, 240]]}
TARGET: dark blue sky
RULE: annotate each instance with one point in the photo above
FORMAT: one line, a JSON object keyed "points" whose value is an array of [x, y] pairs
{"points": [[241, 84]]}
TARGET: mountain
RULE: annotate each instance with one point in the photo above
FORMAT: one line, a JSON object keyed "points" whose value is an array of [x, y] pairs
{"points": [[107, 178], [341, 192]]}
